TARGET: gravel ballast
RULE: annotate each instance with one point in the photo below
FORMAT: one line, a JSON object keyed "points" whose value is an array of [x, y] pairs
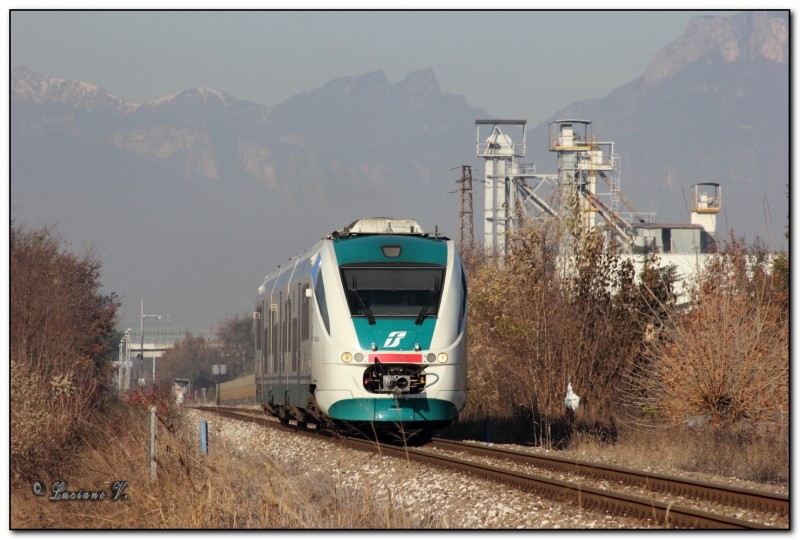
{"points": [[432, 497]]}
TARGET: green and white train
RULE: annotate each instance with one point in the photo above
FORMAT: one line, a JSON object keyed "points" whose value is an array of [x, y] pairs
{"points": [[367, 329]]}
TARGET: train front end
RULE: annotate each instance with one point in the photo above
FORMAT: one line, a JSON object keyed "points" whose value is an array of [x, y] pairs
{"points": [[395, 350]]}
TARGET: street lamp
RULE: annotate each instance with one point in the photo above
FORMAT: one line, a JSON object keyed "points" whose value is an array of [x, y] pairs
{"points": [[120, 365], [141, 332], [127, 381]]}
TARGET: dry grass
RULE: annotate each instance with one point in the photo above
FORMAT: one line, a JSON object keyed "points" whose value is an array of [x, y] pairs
{"points": [[739, 453], [220, 491], [744, 451]]}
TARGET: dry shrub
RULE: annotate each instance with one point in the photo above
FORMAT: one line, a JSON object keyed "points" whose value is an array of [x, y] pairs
{"points": [[168, 411], [60, 320], [47, 417], [60, 334], [225, 489], [726, 358], [563, 305]]}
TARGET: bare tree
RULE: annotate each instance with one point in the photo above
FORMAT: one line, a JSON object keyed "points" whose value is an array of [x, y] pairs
{"points": [[563, 305], [235, 335]]}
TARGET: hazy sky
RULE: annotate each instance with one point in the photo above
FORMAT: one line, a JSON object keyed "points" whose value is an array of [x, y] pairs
{"points": [[521, 65], [513, 64]]}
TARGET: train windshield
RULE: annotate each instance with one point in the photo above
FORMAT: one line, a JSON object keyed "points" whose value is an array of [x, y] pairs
{"points": [[393, 291]]}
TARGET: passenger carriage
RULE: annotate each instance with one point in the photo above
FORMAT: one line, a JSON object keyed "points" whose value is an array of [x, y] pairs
{"points": [[366, 328]]}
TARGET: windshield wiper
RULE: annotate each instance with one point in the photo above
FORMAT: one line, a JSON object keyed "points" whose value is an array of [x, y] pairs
{"points": [[431, 298], [364, 308]]}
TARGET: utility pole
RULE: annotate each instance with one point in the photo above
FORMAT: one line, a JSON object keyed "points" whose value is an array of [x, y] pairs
{"points": [[141, 332], [465, 236]]}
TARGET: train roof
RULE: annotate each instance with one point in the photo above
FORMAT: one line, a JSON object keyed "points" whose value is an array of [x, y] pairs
{"points": [[382, 225], [364, 227]]}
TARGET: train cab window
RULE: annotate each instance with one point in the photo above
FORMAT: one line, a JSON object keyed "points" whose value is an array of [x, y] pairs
{"points": [[393, 291], [463, 310], [319, 292]]}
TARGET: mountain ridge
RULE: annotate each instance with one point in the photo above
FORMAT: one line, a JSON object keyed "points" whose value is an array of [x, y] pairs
{"points": [[719, 114], [189, 122], [198, 194]]}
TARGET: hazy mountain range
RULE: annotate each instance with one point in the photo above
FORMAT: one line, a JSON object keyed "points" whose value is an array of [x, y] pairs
{"points": [[713, 106], [196, 196]]}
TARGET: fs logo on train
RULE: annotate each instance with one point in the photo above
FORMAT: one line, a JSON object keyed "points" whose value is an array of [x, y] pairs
{"points": [[394, 339]]}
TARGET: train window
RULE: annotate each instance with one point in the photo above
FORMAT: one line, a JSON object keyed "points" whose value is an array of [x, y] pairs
{"points": [[393, 291], [321, 303], [294, 344], [298, 315], [258, 329], [275, 346], [267, 328], [306, 320], [285, 336]]}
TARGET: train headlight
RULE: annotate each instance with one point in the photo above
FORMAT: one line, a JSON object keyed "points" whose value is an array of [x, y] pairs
{"points": [[359, 357], [347, 357], [431, 357], [442, 357]]}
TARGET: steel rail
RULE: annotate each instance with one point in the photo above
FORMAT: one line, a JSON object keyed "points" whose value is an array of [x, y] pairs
{"points": [[587, 497], [764, 501]]}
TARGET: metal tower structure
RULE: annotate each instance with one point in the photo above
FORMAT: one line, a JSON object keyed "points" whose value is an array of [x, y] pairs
{"points": [[582, 159], [706, 204], [465, 235], [466, 238], [498, 152], [508, 194]]}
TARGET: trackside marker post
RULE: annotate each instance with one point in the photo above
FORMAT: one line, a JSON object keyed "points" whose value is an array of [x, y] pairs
{"points": [[204, 437], [151, 442]]}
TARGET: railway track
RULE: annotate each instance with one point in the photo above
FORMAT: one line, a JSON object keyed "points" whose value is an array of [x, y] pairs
{"points": [[663, 514], [764, 501]]}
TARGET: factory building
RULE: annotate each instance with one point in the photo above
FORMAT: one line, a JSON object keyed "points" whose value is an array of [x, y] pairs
{"points": [[589, 169]]}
